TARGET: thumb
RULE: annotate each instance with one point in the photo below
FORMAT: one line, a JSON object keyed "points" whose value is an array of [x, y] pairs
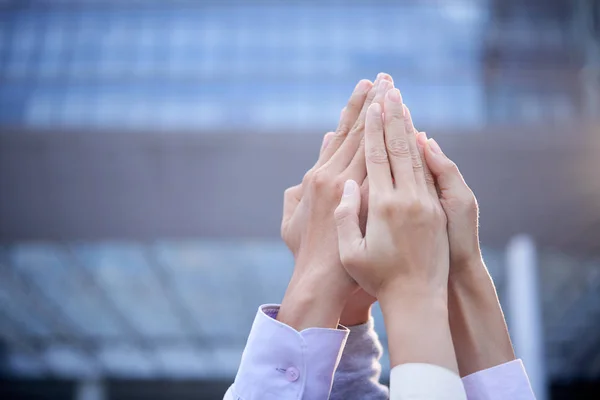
{"points": [[444, 170], [346, 219]]}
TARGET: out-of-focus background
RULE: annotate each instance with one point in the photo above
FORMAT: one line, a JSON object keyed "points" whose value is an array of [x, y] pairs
{"points": [[145, 147]]}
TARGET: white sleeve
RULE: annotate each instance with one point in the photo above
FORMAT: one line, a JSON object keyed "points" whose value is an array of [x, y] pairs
{"points": [[425, 382], [229, 395]]}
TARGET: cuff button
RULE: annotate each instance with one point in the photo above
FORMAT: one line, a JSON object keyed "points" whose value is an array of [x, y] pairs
{"points": [[292, 374]]}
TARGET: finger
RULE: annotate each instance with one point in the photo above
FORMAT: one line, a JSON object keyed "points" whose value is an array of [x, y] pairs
{"points": [[347, 119], [354, 143], [359, 126], [378, 165], [291, 198], [396, 141], [345, 154], [445, 171], [357, 168], [417, 161], [430, 182], [346, 220], [326, 140]]}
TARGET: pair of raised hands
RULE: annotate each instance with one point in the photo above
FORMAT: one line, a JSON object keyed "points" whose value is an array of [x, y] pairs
{"points": [[383, 214]]}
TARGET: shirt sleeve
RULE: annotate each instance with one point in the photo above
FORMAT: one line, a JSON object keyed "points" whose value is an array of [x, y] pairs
{"points": [[505, 381], [357, 376], [415, 381], [280, 363]]}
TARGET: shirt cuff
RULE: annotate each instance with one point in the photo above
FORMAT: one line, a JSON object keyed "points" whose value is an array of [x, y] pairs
{"points": [[504, 381], [416, 381], [282, 363]]}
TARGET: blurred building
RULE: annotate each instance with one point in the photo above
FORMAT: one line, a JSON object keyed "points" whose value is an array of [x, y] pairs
{"points": [[145, 147]]}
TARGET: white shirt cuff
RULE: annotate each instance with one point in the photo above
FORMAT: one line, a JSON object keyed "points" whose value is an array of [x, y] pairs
{"points": [[415, 381]]}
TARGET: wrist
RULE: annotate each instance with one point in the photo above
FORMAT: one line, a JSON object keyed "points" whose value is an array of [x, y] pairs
{"points": [[355, 315], [471, 260], [479, 330], [402, 290], [312, 302], [418, 329], [470, 273]]}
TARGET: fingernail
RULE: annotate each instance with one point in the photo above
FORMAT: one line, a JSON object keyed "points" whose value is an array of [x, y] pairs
{"points": [[383, 87], [384, 76], [349, 188], [422, 139], [434, 146], [406, 110], [394, 96]]}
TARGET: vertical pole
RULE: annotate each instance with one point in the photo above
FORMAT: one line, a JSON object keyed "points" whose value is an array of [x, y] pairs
{"points": [[525, 310], [91, 389]]}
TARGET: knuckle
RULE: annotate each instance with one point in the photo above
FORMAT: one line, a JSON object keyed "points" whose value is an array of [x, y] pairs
{"points": [[290, 192], [307, 178], [394, 116], [342, 213], [343, 129], [359, 125], [428, 177], [398, 147], [377, 155], [320, 179], [416, 207], [417, 163], [387, 206]]}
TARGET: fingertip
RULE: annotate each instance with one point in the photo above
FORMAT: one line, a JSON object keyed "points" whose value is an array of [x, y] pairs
{"points": [[363, 86], [375, 109], [384, 76], [367, 84], [350, 188], [383, 87], [434, 161], [434, 146], [327, 139], [422, 139]]}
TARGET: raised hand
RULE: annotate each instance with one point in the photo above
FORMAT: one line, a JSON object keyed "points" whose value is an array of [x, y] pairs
{"points": [[403, 257], [320, 286], [479, 330]]}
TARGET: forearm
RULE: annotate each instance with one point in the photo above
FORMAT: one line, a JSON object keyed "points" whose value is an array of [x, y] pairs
{"points": [[417, 327], [479, 331]]}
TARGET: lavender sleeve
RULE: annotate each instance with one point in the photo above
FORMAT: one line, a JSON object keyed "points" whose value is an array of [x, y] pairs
{"points": [[280, 363], [504, 381]]}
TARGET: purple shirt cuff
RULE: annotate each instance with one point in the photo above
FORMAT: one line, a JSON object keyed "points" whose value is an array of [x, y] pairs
{"points": [[282, 363], [505, 381]]}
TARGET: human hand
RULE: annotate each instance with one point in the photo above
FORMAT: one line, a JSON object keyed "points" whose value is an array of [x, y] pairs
{"points": [[403, 256], [405, 242], [478, 327], [459, 204], [308, 227]]}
